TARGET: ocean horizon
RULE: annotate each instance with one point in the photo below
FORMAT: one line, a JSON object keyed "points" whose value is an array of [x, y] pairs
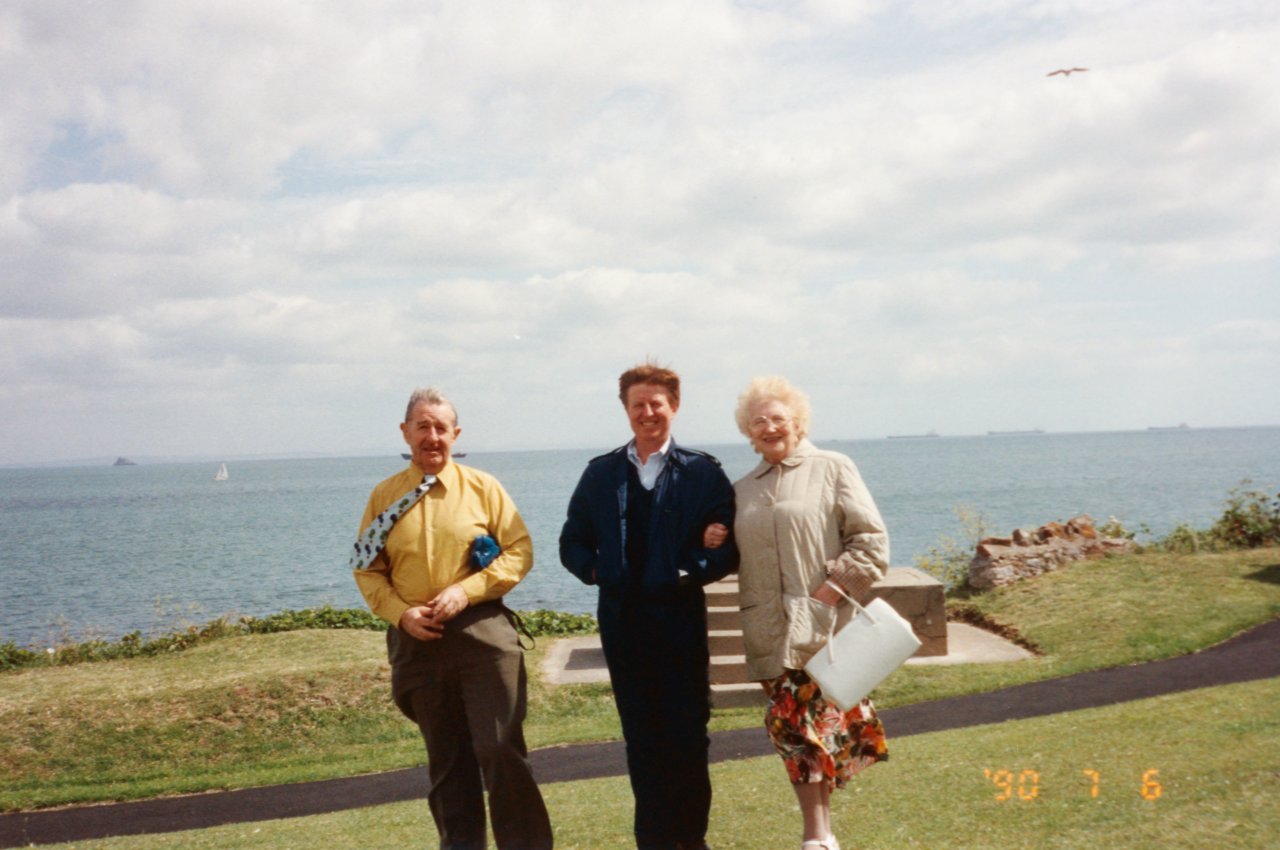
{"points": [[100, 551], [396, 447]]}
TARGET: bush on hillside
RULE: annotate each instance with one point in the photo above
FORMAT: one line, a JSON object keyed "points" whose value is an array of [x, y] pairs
{"points": [[326, 617], [1251, 520], [539, 623], [949, 560], [13, 656], [544, 623]]}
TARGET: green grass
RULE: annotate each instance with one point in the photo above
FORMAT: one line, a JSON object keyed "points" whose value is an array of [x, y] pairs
{"points": [[294, 706], [244, 711], [1214, 753], [1108, 613]]}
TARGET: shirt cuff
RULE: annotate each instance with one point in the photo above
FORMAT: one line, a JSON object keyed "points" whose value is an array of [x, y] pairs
{"points": [[853, 577]]}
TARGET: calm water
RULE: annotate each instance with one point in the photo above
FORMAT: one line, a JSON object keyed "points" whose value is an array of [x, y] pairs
{"points": [[102, 551]]}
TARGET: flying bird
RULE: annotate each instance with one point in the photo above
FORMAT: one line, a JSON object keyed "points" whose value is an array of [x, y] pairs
{"points": [[1066, 72]]}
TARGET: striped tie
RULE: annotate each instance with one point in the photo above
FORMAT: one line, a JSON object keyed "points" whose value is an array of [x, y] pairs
{"points": [[374, 537]]}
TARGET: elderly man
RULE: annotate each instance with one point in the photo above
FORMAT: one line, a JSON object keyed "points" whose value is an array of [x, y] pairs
{"points": [[638, 527], [457, 669]]}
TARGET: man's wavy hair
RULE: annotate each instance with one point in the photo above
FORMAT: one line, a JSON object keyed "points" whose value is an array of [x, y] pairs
{"points": [[432, 396], [650, 372]]}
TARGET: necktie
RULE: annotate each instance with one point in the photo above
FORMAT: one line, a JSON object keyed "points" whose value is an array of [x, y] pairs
{"points": [[374, 537]]}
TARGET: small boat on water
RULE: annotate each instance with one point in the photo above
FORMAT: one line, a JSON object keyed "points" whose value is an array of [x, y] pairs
{"points": [[1181, 426], [221, 474], [913, 436], [123, 461]]}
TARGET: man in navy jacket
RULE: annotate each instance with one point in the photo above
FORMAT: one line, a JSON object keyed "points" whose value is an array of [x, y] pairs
{"points": [[638, 527]]}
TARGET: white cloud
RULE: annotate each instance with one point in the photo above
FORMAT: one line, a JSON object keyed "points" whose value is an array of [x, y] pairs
{"points": [[237, 214]]}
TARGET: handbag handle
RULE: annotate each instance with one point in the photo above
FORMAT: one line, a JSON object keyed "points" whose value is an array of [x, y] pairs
{"points": [[830, 645], [861, 610]]}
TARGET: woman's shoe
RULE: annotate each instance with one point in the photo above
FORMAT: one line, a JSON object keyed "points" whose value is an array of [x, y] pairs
{"points": [[829, 843]]}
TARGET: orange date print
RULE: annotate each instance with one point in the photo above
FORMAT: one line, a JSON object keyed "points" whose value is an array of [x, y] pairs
{"points": [[1025, 784]]}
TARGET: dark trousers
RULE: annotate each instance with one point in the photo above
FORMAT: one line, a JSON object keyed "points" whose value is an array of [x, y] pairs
{"points": [[466, 692], [656, 650]]}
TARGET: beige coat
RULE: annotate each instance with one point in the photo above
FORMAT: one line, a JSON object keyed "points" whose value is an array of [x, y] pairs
{"points": [[794, 520]]}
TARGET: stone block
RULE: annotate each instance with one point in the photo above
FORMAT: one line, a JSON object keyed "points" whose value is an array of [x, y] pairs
{"points": [[918, 597]]}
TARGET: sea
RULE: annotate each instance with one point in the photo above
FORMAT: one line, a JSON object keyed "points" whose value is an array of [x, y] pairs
{"points": [[99, 552]]}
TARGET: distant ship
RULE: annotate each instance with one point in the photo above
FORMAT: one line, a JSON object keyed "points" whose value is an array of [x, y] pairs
{"points": [[123, 461], [1181, 426], [221, 474], [1015, 433], [912, 436]]}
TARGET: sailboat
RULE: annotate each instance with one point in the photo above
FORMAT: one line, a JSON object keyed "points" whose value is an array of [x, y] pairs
{"points": [[221, 474]]}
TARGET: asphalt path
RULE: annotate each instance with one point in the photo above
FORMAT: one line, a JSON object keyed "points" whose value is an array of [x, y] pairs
{"points": [[1252, 655]]}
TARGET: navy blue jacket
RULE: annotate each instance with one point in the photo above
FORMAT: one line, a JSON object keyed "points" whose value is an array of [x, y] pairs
{"points": [[691, 493]]}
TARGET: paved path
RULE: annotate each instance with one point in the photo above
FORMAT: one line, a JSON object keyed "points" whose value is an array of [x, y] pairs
{"points": [[1252, 655]]}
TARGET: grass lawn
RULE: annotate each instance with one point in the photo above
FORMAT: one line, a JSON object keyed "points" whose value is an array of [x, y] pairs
{"points": [[314, 704], [1189, 770]]}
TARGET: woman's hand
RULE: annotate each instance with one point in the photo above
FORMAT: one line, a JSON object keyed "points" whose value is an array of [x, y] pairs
{"points": [[827, 595], [714, 535]]}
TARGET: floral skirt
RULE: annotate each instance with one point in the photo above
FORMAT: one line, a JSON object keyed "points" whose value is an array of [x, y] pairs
{"points": [[817, 741]]}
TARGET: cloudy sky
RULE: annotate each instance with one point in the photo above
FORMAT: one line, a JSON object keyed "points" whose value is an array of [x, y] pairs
{"points": [[252, 227]]}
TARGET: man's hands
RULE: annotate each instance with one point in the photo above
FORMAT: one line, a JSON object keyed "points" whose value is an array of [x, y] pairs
{"points": [[713, 536], [448, 603], [426, 622], [418, 623]]}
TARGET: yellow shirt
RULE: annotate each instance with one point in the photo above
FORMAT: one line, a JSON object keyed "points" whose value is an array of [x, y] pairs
{"points": [[427, 549]]}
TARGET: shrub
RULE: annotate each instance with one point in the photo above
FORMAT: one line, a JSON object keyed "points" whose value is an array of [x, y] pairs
{"points": [[544, 623], [540, 623], [1113, 527], [1251, 520], [1185, 540], [326, 617], [13, 656], [949, 561]]}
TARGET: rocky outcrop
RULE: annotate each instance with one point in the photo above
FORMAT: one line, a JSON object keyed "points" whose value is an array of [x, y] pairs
{"points": [[1003, 560]]}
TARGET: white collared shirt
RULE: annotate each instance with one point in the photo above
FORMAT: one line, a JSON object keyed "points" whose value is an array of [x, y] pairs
{"points": [[653, 465]]}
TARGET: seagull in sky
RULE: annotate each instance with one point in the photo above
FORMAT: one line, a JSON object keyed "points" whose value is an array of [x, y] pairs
{"points": [[1066, 72]]}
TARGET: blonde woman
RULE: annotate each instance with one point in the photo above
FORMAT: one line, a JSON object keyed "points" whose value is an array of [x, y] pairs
{"points": [[805, 521]]}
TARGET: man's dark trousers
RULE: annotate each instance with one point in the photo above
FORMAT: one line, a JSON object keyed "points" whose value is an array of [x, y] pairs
{"points": [[655, 645], [468, 698]]}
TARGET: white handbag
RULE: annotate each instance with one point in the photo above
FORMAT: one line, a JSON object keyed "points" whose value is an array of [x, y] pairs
{"points": [[863, 653]]}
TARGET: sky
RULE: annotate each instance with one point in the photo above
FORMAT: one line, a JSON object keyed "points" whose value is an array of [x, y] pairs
{"points": [[247, 228]]}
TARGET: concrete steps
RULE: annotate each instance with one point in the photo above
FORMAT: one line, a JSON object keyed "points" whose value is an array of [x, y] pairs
{"points": [[725, 641], [728, 673]]}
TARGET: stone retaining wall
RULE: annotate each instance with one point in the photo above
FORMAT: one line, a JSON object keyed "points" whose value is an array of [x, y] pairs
{"points": [[1003, 560]]}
